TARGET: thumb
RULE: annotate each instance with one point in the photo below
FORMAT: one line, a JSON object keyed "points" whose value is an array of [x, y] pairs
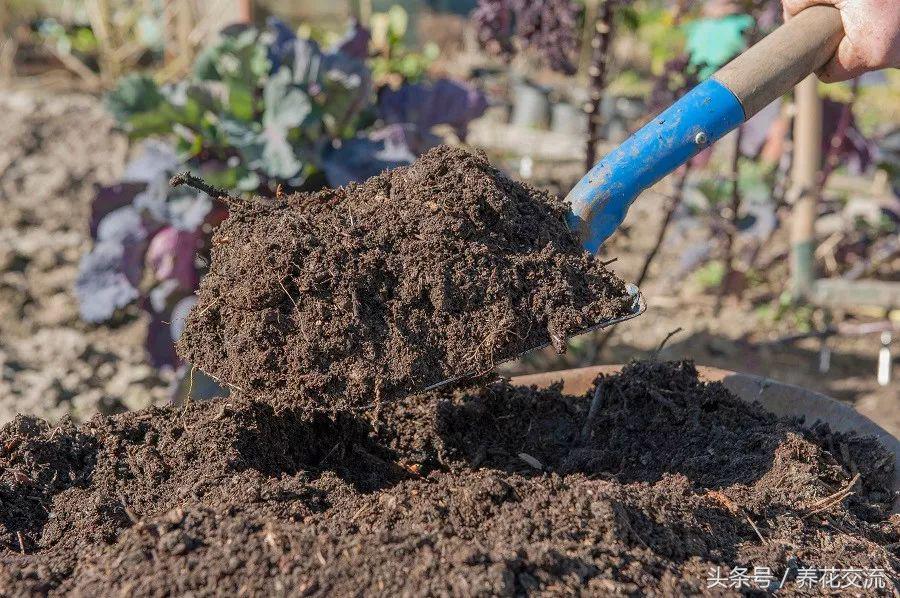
{"points": [[847, 63]]}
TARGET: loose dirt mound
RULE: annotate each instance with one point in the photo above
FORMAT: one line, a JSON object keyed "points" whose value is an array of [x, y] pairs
{"points": [[498, 490], [421, 273]]}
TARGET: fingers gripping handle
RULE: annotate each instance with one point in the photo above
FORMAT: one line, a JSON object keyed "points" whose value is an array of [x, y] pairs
{"points": [[704, 115], [783, 58]]}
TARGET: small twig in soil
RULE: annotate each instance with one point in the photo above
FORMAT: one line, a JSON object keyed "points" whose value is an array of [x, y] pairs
{"points": [[610, 261], [327, 456], [358, 512], [21, 542], [283, 288], [622, 512], [190, 391], [662, 345], [187, 400], [654, 394], [235, 386], [186, 178], [128, 512], [206, 309], [755, 529], [832, 499]]}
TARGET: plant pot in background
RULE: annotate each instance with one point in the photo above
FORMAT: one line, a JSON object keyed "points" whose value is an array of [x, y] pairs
{"points": [[568, 118], [530, 106]]}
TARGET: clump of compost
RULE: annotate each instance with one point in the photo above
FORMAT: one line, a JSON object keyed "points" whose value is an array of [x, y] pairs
{"points": [[371, 291], [499, 490]]}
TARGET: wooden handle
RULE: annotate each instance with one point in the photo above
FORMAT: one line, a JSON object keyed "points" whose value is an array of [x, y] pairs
{"points": [[783, 58]]}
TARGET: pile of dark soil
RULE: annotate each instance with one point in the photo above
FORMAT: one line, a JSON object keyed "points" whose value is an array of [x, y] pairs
{"points": [[376, 290], [499, 490]]}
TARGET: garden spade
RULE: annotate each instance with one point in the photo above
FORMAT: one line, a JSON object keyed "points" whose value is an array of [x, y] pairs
{"points": [[740, 89], [701, 117]]}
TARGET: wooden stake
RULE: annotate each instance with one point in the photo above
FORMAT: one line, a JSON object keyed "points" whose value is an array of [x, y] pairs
{"points": [[807, 161]]}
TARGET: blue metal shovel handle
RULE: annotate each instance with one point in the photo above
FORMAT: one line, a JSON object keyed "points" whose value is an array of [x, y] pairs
{"points": [[701, 117], [601, 199]]}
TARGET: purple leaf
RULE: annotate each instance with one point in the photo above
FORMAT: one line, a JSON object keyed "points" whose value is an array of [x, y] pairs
{"points": [[167, 305], [162, 295], [306, 63], [102, 286], [355, 42], [159, 345], [179, 315], [156, 160], [126, 228], [145, 186], [112, 198], [188, 212], [170, 256], [110, 274], [428, 104], [402, 143], [124, 225], [161, 205], [151, 202], [281, 46], [855, 151]]}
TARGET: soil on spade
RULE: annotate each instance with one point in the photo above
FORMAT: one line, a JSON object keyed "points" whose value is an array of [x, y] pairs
{"points": [[499, 490], [349, 296]]}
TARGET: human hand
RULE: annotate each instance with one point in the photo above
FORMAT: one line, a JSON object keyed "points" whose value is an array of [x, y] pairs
{"points": [[871, 36]]}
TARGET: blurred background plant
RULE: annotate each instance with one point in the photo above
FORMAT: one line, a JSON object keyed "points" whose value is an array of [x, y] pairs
{"points": [[100, 40], [393, 62], [263, 111]]}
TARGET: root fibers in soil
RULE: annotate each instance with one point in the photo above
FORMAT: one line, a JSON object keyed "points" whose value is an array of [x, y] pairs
{"points": [[376, 290], [499, 490]]}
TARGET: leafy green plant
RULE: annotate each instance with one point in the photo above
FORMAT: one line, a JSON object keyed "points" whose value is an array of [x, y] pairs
{"points": [[393, 62]]}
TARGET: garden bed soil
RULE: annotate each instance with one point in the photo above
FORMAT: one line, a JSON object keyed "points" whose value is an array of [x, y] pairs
{"points": [[375, 290], [499, 490], [54, 149]]}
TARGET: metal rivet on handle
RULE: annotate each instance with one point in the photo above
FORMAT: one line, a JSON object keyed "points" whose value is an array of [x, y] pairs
{"points": [[701, 138]]}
